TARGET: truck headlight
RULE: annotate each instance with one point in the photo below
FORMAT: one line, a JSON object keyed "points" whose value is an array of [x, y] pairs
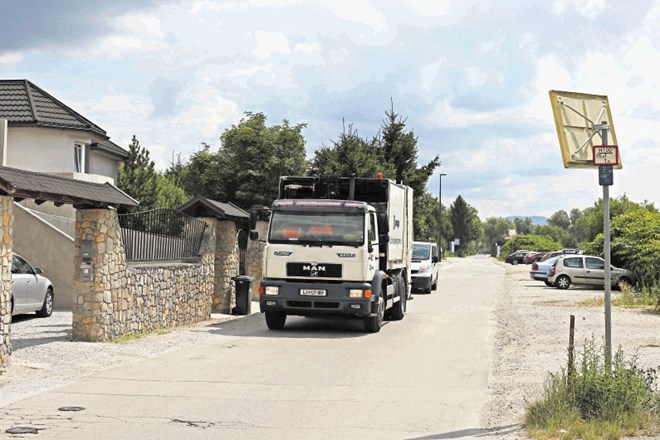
{"points": [[359, 293], [272, 290], [424, 268]]}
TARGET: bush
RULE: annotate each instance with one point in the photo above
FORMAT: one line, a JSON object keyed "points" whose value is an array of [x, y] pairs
{"points": [[592, 401], [531, 243]]}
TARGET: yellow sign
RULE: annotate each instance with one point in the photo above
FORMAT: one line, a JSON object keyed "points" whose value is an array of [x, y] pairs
{"points": [[580, 119]]}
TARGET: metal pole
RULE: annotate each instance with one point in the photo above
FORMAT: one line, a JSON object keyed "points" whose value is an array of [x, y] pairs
{"points": [[608, 272], [440, 215]]}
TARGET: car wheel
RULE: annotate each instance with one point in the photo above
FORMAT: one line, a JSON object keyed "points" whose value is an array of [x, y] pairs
{"points": [[399, 309], [47, 307], [275, 320], [514, 262], [563, 282], [549, 284], [373, 324], [434, 285]]}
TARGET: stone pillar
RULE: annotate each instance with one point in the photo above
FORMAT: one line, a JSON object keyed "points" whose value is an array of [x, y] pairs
{"points": [[255, 257], [226, 266], [95, 301], [6, 242]]}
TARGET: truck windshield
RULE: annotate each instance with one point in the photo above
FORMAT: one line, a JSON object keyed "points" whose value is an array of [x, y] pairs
{"points": [[421, 252], [317, 227]]}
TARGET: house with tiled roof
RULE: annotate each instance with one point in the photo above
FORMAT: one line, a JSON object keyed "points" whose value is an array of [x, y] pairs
{"points": [[40, 133]]}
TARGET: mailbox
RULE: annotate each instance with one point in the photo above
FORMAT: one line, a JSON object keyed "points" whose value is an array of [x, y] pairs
{"points": [[86, 272], [86, 251]]}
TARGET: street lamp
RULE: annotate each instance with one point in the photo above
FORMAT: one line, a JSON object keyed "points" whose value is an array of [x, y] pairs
{"points": [[440, 213]]}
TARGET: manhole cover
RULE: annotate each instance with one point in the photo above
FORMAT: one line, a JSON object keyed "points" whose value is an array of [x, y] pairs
{"points": [[22, 430], [71, 408]]}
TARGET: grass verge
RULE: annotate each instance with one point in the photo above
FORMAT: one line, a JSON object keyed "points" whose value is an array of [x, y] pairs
{"points": [[591, 401], [125, 339]]}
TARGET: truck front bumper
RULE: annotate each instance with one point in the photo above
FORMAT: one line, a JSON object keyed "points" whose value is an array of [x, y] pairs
{"points": [[291, 299]]}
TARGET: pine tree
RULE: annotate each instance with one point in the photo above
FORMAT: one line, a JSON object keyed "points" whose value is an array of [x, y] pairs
{"points": [[137, 176]]}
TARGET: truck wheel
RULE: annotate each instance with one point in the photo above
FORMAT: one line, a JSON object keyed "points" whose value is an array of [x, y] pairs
{"points": [[275, 320], [399, 308], [373, 324]]}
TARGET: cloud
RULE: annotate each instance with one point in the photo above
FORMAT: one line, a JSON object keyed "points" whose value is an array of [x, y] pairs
{"points": [[269, 43], [435, 8], [360, 11], [35, 24], [11, 58]]}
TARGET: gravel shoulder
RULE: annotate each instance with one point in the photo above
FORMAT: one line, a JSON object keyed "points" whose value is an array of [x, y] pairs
{"points": [[531, 341]]}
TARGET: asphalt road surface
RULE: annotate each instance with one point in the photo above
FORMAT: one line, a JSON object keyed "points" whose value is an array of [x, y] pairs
{"points": [[425, 377]]}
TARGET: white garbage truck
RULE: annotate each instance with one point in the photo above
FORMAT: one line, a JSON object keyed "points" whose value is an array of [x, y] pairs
{"points": [[338, 247]]}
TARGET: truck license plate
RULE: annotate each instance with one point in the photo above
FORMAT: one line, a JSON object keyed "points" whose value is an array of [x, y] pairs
{"points": [[312, 292]]}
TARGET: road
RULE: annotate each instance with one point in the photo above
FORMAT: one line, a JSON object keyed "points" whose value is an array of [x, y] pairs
{"points": [[425, 377]]}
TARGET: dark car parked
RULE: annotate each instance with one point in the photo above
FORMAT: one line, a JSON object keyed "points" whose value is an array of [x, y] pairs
{"points": [[516, 257]]}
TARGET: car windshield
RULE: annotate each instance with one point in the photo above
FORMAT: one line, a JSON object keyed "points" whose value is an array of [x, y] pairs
{"points": [[317, 227], [421, 252]]}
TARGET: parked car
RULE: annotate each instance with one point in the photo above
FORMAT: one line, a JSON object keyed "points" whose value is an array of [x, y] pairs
{"points": [[532, 257], [560, 252], [424, 266], [31, 291], [541, 269], [585, 270], [516, 258]]}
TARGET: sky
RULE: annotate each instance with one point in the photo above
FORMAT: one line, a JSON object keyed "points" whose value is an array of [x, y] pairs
{"points": [[471, 78]]}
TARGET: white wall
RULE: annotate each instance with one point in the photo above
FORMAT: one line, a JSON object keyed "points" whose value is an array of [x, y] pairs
{"points": [[103, 164], [51, 151]]}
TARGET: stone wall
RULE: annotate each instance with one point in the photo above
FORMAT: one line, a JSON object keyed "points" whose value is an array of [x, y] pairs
{"points": [[125, 298], [6, 230], [226, 266]]}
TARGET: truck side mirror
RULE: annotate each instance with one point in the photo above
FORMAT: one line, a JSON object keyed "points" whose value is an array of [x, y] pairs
{"points": [[434, 259], [254, 216], [254, 235]]}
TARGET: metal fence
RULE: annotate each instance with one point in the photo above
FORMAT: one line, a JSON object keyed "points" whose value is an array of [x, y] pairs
{"points": [[161, 234]]}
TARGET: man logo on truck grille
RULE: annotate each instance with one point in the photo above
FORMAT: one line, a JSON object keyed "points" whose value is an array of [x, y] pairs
{"points": [[314, 269], [330, 270]]}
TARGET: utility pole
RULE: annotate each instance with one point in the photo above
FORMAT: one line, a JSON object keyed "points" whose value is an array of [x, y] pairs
{"points": [[440, 214]]}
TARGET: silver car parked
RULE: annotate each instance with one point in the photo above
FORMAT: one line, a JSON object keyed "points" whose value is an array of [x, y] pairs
{"points": [[31, 291], [585, 270]]}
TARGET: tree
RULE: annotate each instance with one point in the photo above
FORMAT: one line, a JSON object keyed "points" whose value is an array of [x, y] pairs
{"points": [[523, 227], [400, 151], [496, 230], [137, 177], [170, 195], [246, 168], [393, 152], [465, 224], [590, 224], [351, 154], [560, 219], [255, 156], [426, 210], [201, 175]]}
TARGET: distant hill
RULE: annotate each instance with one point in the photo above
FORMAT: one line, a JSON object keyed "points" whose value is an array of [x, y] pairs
{"points": [[536, 219]]}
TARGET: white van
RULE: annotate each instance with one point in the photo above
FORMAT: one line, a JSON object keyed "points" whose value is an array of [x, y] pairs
{"points": [[424, 266]]}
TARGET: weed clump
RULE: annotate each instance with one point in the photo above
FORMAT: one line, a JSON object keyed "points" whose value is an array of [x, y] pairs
{"points": [[592, 401]]}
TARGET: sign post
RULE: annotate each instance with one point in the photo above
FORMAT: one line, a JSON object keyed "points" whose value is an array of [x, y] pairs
{"points": [[579, 118]]}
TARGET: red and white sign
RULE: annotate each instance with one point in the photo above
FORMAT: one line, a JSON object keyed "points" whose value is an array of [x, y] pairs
{"points": [[606, 155]]}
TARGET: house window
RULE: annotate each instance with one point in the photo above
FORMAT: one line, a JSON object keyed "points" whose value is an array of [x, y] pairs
{"points": [[79, 158]]}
